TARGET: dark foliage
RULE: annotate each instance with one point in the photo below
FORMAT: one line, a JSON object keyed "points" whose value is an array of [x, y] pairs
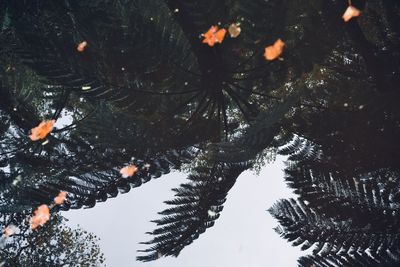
{"points": [[146, 91], [196, 206], [357, 259]]}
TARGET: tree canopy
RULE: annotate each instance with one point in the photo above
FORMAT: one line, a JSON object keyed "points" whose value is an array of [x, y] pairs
{"points": [[54, 244], [211, 88]]}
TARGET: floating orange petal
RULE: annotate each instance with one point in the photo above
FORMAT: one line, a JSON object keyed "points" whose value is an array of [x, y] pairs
{"points": [[81, 46], [214, 35], [42, 130], [350, 13], [42, 215], [234, 30], [274, 51], [128, 171], [58, 200]]}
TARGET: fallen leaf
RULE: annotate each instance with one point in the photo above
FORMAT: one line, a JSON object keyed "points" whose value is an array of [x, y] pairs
{"points": [[42, 130], [42, 215], [58, 200], [350, 13], [234, 30], [274, 51], [128, 171], [214, 35], [81, 46]]}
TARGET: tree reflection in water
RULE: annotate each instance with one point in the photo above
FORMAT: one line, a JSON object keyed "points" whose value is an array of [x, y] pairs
{"points": [[140, 88]]}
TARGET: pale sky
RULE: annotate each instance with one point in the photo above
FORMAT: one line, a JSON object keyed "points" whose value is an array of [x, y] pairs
{"points": [[243, 236]]}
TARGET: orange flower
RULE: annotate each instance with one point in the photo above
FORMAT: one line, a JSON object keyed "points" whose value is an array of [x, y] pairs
{"points": [[213, 35], [42, 215], [41, 131], [58, 200], [350, 13], [128, 171], [81, 46], [274, 51], [234, 30]]}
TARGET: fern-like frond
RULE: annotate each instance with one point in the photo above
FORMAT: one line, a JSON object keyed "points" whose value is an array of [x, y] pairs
{"points": [[196, 206], [332, 193], [326, 235], [356, 259]]}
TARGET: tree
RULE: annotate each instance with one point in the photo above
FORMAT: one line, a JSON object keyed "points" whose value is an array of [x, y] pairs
{"points": [[146, 91], [54, 244]]}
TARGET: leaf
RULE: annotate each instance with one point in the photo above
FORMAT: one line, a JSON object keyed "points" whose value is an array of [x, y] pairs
{"points": [[274, 51], [42, 130], [196, 206], [214, 35], [350, 13], [234, 30]]}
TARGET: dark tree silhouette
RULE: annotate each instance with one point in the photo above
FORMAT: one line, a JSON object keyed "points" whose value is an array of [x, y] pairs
{"points": [[146, 91], [54, 244]]}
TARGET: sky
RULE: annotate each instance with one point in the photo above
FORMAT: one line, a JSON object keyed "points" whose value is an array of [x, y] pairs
{"points": [[242, 236]]}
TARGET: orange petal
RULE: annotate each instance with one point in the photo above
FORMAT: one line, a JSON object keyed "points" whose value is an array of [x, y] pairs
{"points": [[350, 13], [42, 215], [58, 200], [42, 130], [213, 35], [81, 46], [209, 36], [220, 35], [274, 51], [128, 171]]}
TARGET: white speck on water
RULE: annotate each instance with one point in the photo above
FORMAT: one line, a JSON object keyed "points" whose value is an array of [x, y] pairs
{"points": [[45, 142], [17, 180], [211, 213], [146, 166]]}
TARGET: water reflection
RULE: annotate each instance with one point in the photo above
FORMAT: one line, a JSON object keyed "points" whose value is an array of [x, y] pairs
{"points": [[130, 84]]}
